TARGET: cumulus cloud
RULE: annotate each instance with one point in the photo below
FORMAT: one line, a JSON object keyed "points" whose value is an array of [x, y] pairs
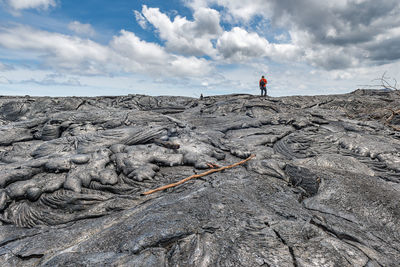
{"points": [[346, 34], [331, 34], [183, 36], [58, 50], [140, 19], [385, 47], [332, 58], [205, 36], [337, 23], [239, 45], [243, 10], [136, 54], [125, 53], [29, 4], [81, 28]]}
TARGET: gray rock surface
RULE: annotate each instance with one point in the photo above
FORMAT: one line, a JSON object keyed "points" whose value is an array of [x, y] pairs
{"points": [[323, 189]]}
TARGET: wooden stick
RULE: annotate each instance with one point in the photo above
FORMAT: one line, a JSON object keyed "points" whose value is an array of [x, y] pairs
{"points": [[197, 176], [388, 120], [395, 127], [391, 116]]}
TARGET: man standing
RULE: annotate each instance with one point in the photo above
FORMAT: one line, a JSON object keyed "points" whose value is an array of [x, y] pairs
{"points": [[263, 86]]}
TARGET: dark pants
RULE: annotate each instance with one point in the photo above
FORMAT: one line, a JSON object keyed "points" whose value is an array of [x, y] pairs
{"points": [[263, 91]]}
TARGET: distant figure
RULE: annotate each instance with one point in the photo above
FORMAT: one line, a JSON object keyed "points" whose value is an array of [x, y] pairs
{"points": [[201, 97], [263, 86]]}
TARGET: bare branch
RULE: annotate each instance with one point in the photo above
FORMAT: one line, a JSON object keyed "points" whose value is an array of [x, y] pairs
{"points": [[197, 176], [387, 82]]}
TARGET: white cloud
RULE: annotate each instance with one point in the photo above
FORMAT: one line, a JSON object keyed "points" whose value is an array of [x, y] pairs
{"points": [[140, 19], [283, 80], [129, 46], [283, 37], [183, 36], [81, 28], [329, 34], [137, 55], [240, 45], [4, 80], [53, 79], [29, 81], [243, 10], [197, 37], [190, 66], [58, 50], [29, 4], [125, 53], [4, 67]]}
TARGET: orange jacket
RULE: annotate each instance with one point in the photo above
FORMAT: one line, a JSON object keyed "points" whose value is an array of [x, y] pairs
{"points": [[264, 80]]}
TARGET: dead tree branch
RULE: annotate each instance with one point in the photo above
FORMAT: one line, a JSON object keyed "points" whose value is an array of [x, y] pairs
{"points": [[197, 176], [387, 82], [383, 82]]}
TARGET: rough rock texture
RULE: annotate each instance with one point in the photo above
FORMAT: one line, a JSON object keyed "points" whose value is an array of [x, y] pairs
{"points": [[323, 189]]}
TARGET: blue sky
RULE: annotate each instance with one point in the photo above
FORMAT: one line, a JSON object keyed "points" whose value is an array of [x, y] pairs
{"points": [[189, 47]]}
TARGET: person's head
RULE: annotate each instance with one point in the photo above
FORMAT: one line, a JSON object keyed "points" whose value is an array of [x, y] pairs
{"points": [[262, 76]]}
